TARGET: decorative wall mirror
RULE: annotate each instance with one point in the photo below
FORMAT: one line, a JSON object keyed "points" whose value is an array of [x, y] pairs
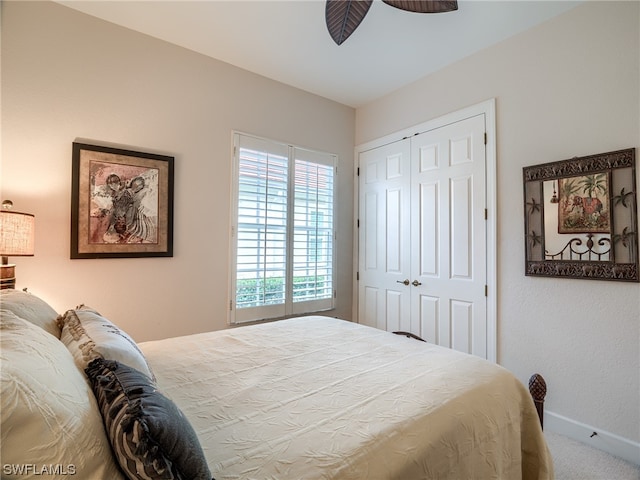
{"points": [[581, 218]]}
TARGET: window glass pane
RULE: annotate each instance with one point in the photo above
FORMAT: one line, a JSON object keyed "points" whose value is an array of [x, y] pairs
{"points": [[313, 231], [262, 229]]}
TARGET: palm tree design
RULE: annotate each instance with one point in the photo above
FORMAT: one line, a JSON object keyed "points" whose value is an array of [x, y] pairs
{"points": [[625, 237], [568, 188], [533, 206], [534, 238], [593, 185], [622, 198]]}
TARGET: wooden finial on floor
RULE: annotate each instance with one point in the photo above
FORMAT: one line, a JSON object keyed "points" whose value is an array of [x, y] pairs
{"points": [[538, 390]]}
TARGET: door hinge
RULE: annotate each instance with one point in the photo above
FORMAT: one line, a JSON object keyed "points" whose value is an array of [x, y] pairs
{"points": [[335, 294], [358, 172], [486, 214], [486, 290], [358, 223], [357, 276], [230, 305], [485, 138]]}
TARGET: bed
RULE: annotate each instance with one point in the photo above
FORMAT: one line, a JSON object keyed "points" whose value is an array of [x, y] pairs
{"points": [[304, 398]]}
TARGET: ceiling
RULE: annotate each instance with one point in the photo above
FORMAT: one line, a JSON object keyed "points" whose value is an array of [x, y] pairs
{"points": [[287, 40]]}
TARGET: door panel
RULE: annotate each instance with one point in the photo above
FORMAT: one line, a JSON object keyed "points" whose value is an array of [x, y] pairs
{"points": [[394, 230], [457, 228], [395, 314], [429, 225], [461, 325], [428, 157], [384, 234], [428, 318], [461, 228], [370, 229], [369, 307]]}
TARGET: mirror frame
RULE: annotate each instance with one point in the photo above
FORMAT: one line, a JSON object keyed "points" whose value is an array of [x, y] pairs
{"points": [[619, 166]]}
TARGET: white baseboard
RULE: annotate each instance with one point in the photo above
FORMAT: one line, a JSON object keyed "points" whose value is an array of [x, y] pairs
{"points": [[581, 432]]}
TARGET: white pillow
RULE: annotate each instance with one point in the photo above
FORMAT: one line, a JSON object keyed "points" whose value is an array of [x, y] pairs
{"points": [[88, 335], [30, 308], [49, 416]]}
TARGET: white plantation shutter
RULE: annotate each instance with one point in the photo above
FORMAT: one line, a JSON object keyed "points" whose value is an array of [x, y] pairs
{"points": [[312, 231], [282, 260], [261, 229]]}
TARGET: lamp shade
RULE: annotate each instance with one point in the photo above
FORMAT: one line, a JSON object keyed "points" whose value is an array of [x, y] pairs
{"points": [[17, 233]]}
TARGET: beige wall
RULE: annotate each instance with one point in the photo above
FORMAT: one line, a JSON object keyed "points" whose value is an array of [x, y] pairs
{"points": [[67, 76], [569, 87]]}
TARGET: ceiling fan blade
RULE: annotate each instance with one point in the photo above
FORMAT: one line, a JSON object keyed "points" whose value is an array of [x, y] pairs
{"points": [[424, 6], [344, 16]]}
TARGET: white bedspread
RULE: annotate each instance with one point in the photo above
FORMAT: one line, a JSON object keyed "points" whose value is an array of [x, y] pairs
{"points": [[320, 398]]}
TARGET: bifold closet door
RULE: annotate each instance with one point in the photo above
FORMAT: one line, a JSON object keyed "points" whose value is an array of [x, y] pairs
{"points": [[384, 237], [448, 246], [422, 236]]}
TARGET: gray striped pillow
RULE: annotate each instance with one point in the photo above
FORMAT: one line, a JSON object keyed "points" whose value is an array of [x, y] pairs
{"points": [[149, 435]]}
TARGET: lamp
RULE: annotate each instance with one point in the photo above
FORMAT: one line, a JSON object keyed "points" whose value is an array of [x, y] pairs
{"points": [[17, 238]]}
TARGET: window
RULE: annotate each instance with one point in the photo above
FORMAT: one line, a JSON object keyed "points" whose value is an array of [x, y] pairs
{"points": [[283, 237]]}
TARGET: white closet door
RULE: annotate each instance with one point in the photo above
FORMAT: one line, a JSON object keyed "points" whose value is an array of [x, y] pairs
{"points": [[448, 245], [423, 236], [384, 237]]}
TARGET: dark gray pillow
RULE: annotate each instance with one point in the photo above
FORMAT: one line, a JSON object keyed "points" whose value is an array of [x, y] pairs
{"points": [[150, 436]]}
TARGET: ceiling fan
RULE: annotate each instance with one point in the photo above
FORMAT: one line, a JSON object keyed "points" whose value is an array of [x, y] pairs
{"points": [[344, 16]]}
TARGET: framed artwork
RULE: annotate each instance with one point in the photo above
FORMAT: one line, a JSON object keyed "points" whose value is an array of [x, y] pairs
{"points": [[121, 203], [583, 205], [581, 218]]}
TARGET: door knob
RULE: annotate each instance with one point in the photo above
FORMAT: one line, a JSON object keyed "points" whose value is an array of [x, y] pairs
{"points": [[415, 283], [405, 282]]}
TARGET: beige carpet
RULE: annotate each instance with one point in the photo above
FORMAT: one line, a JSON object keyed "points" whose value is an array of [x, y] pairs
{"points": [[574, 460]]}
